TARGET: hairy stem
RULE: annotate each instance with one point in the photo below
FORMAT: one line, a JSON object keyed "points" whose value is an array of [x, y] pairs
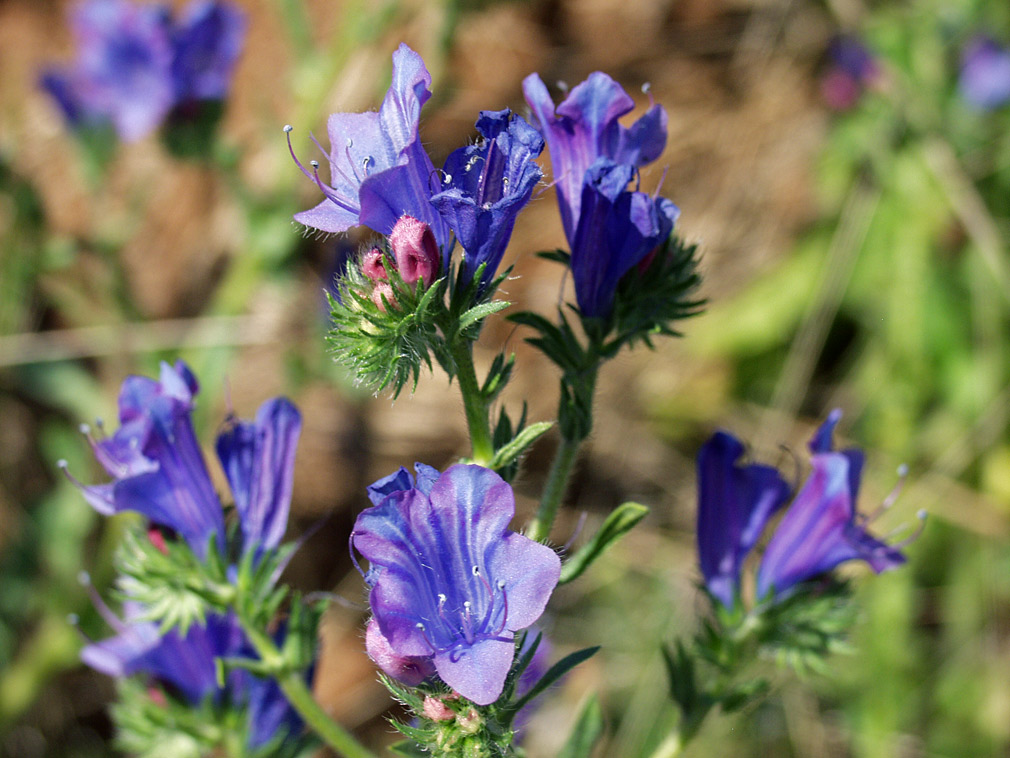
{"points": [[474, 403], [298, 694]]}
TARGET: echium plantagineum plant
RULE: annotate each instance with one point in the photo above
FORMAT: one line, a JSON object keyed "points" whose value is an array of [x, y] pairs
{"points": [[215, 655]]}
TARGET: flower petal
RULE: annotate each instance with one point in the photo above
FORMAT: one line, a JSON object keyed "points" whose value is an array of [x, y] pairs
{"points": [[477, 672]]}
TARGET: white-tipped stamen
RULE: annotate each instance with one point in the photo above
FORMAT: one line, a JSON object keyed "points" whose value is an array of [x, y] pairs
{"points": [[288, 128]]}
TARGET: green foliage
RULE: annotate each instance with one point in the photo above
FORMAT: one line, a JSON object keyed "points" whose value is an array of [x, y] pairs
{"points": [[587, 731], [620, 521]]}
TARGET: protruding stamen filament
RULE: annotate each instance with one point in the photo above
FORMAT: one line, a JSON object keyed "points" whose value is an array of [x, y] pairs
{"points": [[921, 515], [888, 501]]}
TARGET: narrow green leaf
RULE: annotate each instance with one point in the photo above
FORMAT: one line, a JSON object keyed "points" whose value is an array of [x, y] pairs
{"points": [[481, 311], [624, 517], [587, 730], [554, 673], [508, 453]]}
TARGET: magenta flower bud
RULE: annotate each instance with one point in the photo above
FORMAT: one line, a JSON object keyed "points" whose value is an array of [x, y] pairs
{"points": [[373, 266], [415, 250], [411, 670], [437, 710]]}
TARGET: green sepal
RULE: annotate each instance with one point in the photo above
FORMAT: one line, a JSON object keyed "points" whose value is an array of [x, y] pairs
{"points": [[620, 521], [586, 732], [510, 452], [409, 749], [558, 256], [480, 312], [503, 434], [497, 376], [557, 342]]}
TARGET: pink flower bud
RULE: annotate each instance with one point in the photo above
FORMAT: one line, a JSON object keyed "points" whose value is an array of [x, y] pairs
{"points": [[373, 266], [407, 669], [415, 250], [383, 289], [436, 710]]}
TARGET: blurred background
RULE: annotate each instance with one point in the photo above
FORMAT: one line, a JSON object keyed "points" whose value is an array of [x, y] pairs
{"points": [[845, 168]]}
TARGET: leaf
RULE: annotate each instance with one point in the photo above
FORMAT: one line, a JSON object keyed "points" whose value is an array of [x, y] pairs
{"points": [[554, 673], [511, 451], [587, 730], [481, 311], [620, 521]]}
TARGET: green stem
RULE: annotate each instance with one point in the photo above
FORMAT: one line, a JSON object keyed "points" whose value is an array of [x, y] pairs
{"points": [[557, 482], [474, 403], [298, 694]]}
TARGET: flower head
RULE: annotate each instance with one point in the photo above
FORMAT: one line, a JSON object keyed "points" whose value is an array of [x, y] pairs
{"points": [[852, 69], [617, 229], [822, 528], [985, 73], [187, 665], [379, 170], [734, 504], [123, 69], [207, 42], [450, 583], [158, 469], [487, 184], [584, 128]]}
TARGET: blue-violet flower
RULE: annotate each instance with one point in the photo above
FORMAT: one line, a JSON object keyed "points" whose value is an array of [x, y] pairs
{"points": [[207, 42], [450, 584], [617, 228], [379, 170], [487, 184], [187, 665], [584, 128], [985, 74], [158, 469]]}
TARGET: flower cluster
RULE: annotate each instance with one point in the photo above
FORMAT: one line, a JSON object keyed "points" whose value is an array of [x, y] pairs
{"points": [[450, 584], [380, 172], [609, 227], [820, 530], [187, 665], [135, 65], [159, 471], [852, 69]]}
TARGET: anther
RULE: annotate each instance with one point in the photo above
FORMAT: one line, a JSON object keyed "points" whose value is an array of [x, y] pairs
{"points": [[288, 128], [84, 578], [62, 464], [476, 571], [646, 87], [85, 429], [350, 142], [314, 164], [500, 584], [562, 85]]}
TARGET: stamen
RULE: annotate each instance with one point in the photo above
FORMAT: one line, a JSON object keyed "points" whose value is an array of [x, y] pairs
{"points": [[575, 532], [888, 501], [921, 515], [647, 90], [84, 578], [562, 85], [505, 611], [424, 635], [659, 186]]}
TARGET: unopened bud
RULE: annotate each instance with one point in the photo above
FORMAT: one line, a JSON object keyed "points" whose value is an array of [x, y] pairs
{"points": [[382, 290], [373, 266], [436, 710], [415, 250]]}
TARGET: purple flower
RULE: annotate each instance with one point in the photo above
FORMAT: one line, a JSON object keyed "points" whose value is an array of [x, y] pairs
{"points": [[853, 68], [734, 503], [158, 469], [584, 128], [207, 42], [822, 528], [450, 583], [379, 170], [123, 69], [186, 664], [617, 229], [487, 184], [985, 74]]}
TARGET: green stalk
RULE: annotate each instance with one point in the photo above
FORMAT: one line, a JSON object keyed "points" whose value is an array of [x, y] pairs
{"points": [[671, 747], [557, 482], [474, 403], [300, 697]]}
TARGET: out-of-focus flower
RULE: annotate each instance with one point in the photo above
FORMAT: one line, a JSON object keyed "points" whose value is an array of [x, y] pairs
{"points": [[379, 169], [158, 469], [820, 530], [134, 66], [852, 69], [617, 229], [123, 71], [450, 583], [734, 504], [187, 664], [985, 73], [486, 186], [206, 42], [584, 128]]}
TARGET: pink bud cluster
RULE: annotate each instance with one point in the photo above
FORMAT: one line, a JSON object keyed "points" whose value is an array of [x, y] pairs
{"points": [[414, 252]]}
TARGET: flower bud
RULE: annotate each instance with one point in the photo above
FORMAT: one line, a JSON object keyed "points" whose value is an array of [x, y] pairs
{"points": [[373, 266], [436, 710], [382, 290], [415, 250]]}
